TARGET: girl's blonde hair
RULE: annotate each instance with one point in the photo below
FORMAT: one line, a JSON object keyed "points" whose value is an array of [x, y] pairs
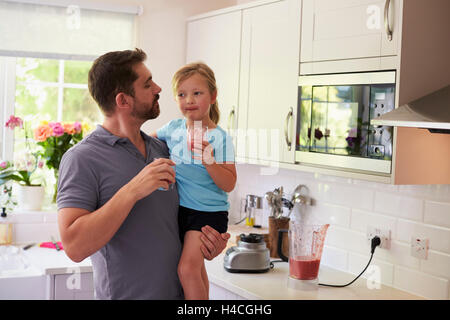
{"points": [[202, 69]]}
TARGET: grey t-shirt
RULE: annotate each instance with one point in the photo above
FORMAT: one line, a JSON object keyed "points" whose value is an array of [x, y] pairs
{"points": [[140, 261]]}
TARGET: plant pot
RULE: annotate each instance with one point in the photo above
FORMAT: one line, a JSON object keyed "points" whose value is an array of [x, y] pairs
{"points": [[30, 197]]}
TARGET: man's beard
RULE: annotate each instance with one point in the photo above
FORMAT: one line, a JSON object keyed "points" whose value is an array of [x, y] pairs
{"points": [[146, 112]]}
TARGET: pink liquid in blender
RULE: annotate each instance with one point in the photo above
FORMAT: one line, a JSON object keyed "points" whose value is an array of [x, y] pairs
{"points": [[304, 268]]}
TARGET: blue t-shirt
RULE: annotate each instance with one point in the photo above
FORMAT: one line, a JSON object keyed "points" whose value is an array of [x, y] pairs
{"points": [[196, 188]]}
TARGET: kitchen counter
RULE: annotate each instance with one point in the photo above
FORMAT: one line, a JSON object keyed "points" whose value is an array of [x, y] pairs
{"points": [[272, 285], [51, 262], [38, 261]]}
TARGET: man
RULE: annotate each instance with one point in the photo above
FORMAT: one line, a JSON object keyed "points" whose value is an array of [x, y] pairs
{"points": [[110, 202]]}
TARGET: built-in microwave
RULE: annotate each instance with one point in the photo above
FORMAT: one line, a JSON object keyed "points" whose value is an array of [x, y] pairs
{"points": [[333, 122]]}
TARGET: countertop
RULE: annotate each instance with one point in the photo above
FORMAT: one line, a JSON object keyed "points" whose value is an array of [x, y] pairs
{"points": [[50, 261], [45, 261], [272, 285]]}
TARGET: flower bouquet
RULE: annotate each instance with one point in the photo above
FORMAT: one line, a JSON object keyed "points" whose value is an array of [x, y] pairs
{"points": [[56, 138]]}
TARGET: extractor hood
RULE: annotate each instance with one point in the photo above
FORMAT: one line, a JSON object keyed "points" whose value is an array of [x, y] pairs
{"points": [[431, 112]]}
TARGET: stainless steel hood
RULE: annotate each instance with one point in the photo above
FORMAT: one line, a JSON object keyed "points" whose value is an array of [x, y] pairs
{"points": [[431, 112]]}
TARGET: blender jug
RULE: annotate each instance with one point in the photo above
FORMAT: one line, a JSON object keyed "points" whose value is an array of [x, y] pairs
{"points": [[305, 251]]}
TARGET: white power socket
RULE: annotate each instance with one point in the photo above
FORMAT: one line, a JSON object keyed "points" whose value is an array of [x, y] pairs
{"points": [[383, 234], [419, 247]]}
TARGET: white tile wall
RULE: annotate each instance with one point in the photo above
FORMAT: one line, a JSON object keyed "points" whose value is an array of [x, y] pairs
{"points": [[351, 205], [30, 226]]}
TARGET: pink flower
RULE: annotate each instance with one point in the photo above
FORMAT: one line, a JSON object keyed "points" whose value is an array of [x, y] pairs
{"points": [[40, 164], [77, 127], [14, 122], [57, 128], [3, 164]]}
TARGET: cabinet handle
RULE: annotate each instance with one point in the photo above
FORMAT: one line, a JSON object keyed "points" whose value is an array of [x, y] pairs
{"points": [[386, 20], [286, 125], [230, 117]]}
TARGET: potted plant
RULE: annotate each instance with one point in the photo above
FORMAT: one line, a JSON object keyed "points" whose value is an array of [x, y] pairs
{"points": [[30, 192]]}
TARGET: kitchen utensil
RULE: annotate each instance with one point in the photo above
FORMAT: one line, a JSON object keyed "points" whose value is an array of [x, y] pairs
{"points": [[51, 245], [249, 256], [305, 251], [274, 226], [276, 202], [28, 246], [55, 244]]}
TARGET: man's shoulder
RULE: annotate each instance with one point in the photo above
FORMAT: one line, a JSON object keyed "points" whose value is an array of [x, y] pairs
{"points": [[156, 143], [82, 150]]}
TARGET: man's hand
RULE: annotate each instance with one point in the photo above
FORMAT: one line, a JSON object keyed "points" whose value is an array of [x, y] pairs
{"points": [[158, 174], [213, 242]]}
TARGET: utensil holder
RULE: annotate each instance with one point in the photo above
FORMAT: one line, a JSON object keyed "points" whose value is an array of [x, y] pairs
{"points": [[274, 226]]}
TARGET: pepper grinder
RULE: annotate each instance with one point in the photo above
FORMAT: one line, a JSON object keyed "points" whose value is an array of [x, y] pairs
{"points": [[253, 204]]}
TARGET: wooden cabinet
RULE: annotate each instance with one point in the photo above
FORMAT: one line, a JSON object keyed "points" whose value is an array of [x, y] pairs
{"points": [[254, 52], [367, 30], [216, 40]]}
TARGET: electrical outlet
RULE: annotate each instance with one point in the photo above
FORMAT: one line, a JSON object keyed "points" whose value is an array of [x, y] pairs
{"points": [[419, 247], [384, 234]]}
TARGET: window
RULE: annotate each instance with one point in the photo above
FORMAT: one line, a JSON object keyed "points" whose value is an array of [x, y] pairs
{"points": [[46, 51], [52, 90]]}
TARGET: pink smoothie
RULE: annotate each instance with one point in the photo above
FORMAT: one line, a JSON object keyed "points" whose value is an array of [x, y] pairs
{"points": [[304, 268]]}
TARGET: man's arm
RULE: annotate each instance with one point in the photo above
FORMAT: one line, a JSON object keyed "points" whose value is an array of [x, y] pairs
{"points": [[83, 232]]}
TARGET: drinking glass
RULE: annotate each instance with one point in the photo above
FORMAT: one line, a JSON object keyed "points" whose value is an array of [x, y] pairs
{"points": [[195, 136], [171, 185]]}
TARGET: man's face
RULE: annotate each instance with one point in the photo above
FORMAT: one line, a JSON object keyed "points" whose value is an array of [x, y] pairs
{"points": [[146, 94]]}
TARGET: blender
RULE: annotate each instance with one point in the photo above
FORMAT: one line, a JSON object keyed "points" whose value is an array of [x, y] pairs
{"points": [[305, 251]]}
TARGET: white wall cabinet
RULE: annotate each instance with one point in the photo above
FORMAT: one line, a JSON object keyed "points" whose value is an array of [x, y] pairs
{"points": [[254, 51], [269, 73], [367, 30], [216, 41]]}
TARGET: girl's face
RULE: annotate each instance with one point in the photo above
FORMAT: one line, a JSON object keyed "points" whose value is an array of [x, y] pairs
{"points": [[194, 99]]}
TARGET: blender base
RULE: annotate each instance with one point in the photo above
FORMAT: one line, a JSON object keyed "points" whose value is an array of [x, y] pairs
{"points": [[298, 284]]}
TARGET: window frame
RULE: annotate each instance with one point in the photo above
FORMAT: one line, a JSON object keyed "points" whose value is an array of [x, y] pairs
{"points": [[8, 99]]}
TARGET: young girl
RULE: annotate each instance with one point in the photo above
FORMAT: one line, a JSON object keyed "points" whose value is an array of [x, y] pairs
{"points": [[205, 170]]}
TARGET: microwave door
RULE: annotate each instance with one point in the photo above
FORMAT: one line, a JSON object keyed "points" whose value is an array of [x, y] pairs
{"points": [[339, 117]]}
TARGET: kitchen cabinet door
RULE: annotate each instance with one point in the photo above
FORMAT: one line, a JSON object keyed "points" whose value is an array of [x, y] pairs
{"points": [[76, 286], [268, 80], [349, 29], [216, 40]]}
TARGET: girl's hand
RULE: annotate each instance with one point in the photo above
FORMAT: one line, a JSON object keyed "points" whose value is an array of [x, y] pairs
{"points": [[205, 154]]}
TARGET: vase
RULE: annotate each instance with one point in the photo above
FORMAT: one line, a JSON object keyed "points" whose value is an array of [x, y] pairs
{"points": [[55, 192], [30, 197]]}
